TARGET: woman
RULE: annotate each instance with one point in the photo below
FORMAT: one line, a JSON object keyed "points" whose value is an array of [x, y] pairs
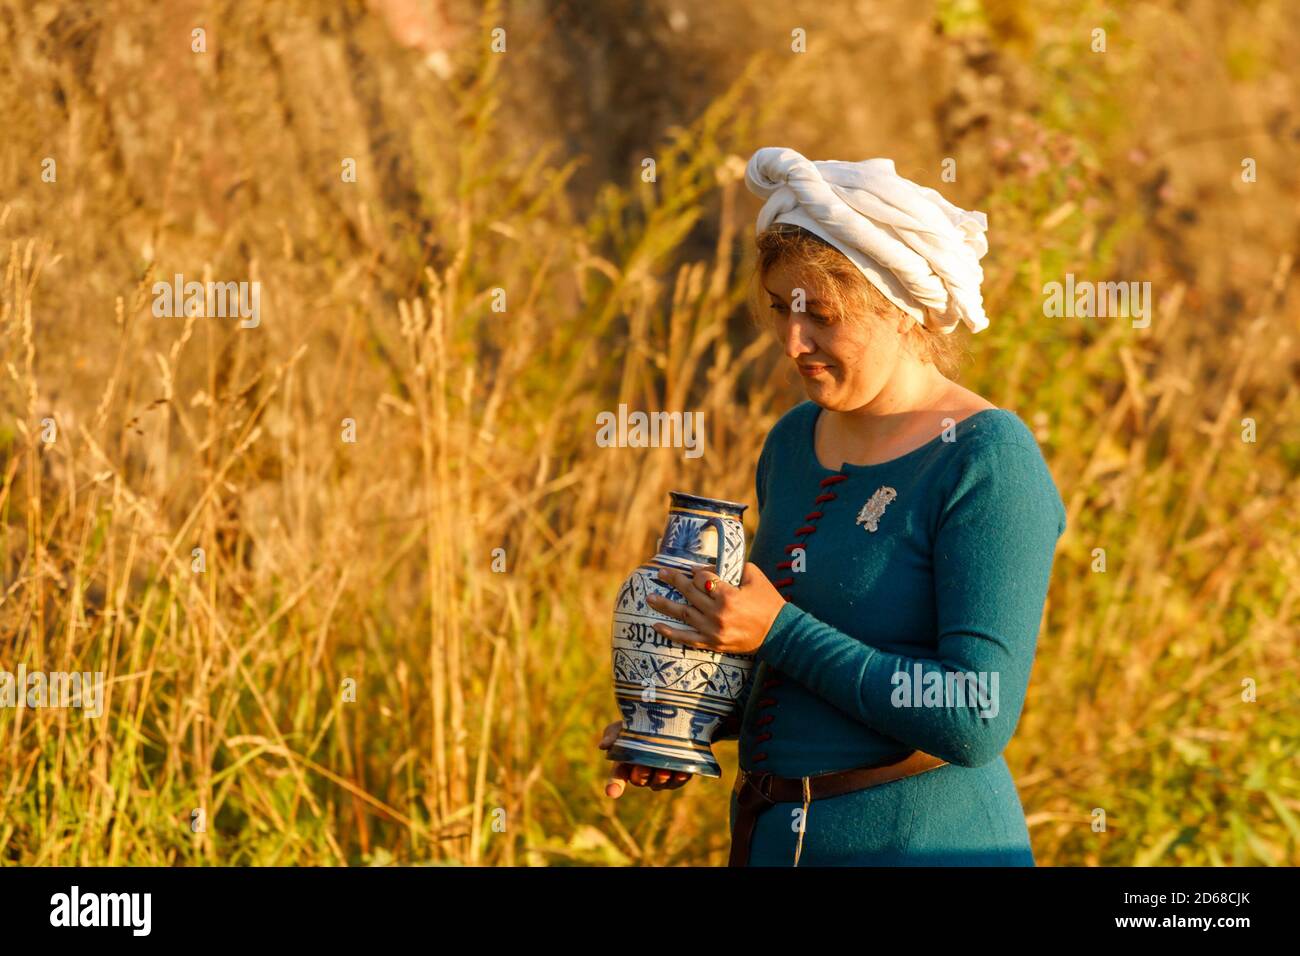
{"points": [[906, 536]]}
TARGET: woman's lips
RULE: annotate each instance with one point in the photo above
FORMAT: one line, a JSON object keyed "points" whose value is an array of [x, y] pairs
{"points": [[811, 370]]}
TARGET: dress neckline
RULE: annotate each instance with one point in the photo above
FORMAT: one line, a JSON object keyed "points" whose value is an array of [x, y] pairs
{"points": [[847, 468]]}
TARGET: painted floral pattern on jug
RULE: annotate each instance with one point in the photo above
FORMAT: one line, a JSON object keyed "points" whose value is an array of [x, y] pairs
{"points": [[673, 697]]}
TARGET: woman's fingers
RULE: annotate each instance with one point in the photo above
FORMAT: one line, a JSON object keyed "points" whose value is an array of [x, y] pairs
{"points": [[630, 772], [707, 584], [640, 776], [615, 786], [636, 774], [698, 616], [691, 638], [673, 609], [609, 735], [671, 780], [691, 587]]}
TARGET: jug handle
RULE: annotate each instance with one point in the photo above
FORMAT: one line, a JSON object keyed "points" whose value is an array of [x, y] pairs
{"points": [[716, 523]]}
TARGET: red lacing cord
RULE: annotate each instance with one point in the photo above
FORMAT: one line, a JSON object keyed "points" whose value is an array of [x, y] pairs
{"points": [[804, 531], [808, 529], [766, 718]]}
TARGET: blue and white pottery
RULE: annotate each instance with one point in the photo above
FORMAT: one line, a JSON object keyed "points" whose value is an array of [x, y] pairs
{"points": [[673, 697]]}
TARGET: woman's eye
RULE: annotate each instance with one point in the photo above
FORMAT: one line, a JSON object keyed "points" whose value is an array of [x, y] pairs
{"points": [[780, 308]]}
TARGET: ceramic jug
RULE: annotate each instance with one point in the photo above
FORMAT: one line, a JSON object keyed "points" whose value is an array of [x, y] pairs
{"points": [[673, 697]]}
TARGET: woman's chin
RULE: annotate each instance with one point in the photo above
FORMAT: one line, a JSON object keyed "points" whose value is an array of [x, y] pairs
{"points": [[818, 389]]}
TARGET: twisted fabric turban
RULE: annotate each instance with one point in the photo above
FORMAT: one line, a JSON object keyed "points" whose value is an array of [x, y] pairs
{"points": [[922, 252]]}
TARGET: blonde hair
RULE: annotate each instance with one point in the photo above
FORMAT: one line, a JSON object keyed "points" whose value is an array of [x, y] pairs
{"points": [[851, 295]]}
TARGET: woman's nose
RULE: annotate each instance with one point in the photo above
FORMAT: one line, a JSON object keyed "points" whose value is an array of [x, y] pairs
{"points": [[797, 340]]}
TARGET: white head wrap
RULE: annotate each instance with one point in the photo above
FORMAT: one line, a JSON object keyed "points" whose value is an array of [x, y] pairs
{"points": [[918, 249]]}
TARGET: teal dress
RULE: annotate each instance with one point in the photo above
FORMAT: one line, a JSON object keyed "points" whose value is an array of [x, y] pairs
{"points": [[919, 634]]}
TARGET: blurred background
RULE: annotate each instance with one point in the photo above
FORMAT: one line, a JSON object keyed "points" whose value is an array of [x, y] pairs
{"points": [[357, 675]]}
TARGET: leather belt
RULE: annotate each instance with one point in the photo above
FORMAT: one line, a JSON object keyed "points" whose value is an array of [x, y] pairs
{"points": [[759, 790]]}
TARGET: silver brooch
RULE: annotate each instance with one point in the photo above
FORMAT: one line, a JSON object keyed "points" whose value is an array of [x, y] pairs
{"points": [[875, 507]]}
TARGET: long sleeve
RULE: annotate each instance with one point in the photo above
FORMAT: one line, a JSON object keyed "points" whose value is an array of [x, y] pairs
{"points": [[730, 727], [993, 552]]}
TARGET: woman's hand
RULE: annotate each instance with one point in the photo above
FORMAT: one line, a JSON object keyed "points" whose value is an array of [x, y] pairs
{"points": [[637, 775], [729, 620]]}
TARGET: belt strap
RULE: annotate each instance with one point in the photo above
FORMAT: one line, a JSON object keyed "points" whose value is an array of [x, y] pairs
{"points": [[758, 790]]}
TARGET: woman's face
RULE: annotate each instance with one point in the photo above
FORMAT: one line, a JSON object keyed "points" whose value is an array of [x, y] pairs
{"points": [[844, 364]]}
